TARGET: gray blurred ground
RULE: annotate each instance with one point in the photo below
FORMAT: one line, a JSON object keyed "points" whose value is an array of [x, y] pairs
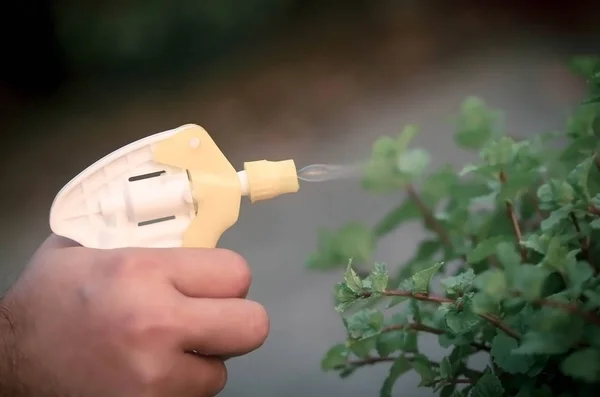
{"points": [[313, 110]]}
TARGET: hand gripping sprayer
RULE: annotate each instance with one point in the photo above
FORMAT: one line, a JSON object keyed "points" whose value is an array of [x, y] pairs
{"points": [[171, 189]]}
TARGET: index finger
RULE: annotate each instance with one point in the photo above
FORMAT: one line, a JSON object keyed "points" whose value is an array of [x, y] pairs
{"points": [[204, 272]]}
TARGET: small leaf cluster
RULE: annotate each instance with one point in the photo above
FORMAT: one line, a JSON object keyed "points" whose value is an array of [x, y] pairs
{"points": [[509, 268]]}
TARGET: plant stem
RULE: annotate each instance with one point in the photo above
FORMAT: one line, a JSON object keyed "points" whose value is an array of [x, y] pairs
{"points": [[512, 215], [496, 322], [464, 381], [591, 317], [419, 297], [585, 243], [431, 330], [571, 308], [368, 361], [536, 205], [428, 216], [439, 300], [375, 360]]}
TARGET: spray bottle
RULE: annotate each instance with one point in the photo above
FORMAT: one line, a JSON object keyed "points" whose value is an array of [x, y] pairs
{"points": [[171, 189]]}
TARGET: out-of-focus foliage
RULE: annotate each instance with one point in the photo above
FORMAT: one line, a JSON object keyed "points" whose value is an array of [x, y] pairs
{"points": [[510, 269], [148, 33]]}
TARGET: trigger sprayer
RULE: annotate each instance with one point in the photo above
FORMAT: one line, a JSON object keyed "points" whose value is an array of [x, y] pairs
{"points": [[171, 189]]}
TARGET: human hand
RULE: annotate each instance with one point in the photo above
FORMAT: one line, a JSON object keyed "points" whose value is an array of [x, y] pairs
{"points": [[109, 323]]}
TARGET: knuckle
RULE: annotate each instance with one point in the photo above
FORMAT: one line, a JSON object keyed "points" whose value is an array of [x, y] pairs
{"points": [[143, 329], [128, 262], [119, 263], [150, 375], [240, 271]]}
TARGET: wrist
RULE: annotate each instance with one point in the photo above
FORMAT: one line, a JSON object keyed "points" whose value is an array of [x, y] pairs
{"points": [[10, 383]]}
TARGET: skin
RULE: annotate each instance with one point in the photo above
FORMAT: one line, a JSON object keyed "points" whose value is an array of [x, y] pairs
{"points": [[95, 323]]}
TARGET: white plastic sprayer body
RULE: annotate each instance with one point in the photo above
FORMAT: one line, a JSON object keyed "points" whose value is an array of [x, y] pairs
{"points": [[171, 189]]}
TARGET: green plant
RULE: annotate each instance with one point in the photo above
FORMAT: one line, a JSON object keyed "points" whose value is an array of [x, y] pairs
{"points": [[509, 270]]}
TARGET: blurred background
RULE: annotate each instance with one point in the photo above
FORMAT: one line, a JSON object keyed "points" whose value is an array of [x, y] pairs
{"points": [[313, 80]]}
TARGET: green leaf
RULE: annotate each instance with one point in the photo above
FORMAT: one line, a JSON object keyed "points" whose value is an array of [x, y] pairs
{"points": [[384, 146], [483, 303], [344, 296], [365, 323], [356, 241], [460, 283], [537, 243], [559, 323], [419, 282], [337, 356], [475, 124], [529, 281], [326, 256], [555, 193], [591, 335], [361, 348], [380, 172], [509, 258], [499, 152], [502, 346], [595, 224], [459, 316], [413, 162], [593, 298], [594, 99], [423, 367], [399, 368], [352, 280], [462, 321], [578, 273], [579, 146], [446, 369], [584, 65], [517, 185], [439, 184], [530, 390], [411, 342], [578, 178], [485, 249], [469, 168], [558, 256], [488, 386], [389, 342], [583, 365], [379, 277], [405, 138], [405, 212], [555, 218], [539, 343], [450, 391], [493, 283]]}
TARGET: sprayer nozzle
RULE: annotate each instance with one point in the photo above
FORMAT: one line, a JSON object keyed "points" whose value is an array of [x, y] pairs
{"points": [[269, 179]]}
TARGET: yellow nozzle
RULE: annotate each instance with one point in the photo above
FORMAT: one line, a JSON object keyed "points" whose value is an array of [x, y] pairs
{"points": [[269, 179]]}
